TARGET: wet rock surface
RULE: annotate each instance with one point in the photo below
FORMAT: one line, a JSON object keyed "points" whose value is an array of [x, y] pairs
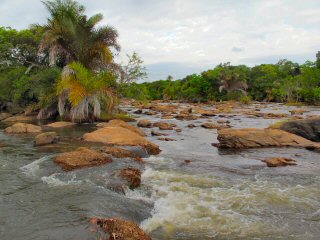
{"points": [[81, 158], [118, 229], [280, 162], [132, 176]]}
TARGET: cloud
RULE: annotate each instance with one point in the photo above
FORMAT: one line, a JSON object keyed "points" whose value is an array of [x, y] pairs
{"points": [[197, 33]]}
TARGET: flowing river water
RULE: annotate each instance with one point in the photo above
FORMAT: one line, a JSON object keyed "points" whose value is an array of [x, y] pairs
{"points": [[215, 194]]}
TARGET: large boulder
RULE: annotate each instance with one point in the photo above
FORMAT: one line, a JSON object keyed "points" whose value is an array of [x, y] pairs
{"points": [[60, 124], [132, 176], [255, 138], [46, 138], [116, 135], [145, 123], [80, 158], [4, 115], [23, 128], [280, 162], [119, 229], [309, 129]]}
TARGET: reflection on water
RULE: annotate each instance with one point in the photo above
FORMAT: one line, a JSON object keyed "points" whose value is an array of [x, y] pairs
{"points": [[214, 195]]}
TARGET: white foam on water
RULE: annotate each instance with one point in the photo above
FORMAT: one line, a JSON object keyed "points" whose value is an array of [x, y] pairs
{"points": [[55, 181], [32, 168], [208, 206]]}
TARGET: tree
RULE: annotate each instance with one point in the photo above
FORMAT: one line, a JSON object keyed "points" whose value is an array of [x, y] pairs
{"points": [[133, 70]]}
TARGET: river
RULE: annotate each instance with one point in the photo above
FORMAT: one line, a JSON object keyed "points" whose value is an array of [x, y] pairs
{"points": [[191, 190]]}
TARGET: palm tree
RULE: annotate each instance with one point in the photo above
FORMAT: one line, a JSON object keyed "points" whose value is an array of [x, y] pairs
{"points": [[85, 52], [85, 92]]}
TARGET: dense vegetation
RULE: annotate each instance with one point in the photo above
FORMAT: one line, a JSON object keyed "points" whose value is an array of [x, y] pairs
{"points": [[49, 70], [282, 82]]}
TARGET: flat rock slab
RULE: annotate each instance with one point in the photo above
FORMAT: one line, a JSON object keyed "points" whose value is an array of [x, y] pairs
{"points": [[81, 158], [60, 124], [23, 128]]}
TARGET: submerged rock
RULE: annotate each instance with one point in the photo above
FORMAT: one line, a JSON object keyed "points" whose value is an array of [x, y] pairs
{"points": [[46, 138], [255, 138], [60, 124], [23, 128], [119, 229], [145, 123], [80, 158], [120, 136], [132, 176], [122, 153], [280, 162], [309, 129]]}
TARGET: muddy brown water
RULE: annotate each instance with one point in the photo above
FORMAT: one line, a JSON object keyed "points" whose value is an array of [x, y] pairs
{"points": [[189, 191]]}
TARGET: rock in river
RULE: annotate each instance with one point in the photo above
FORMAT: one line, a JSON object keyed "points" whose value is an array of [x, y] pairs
{"points": [[309, 129], [80, 158], [255, 138], [118, 135], [279, 162], [132, 176], [145, 123], [46, 138], [23, 128], [120, 229], [60, 124]]}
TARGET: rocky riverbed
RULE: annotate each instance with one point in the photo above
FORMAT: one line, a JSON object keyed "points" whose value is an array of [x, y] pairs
{"points": [[171, 175]]}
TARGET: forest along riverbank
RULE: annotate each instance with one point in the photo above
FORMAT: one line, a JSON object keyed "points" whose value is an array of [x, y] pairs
{"points": [[190, 190]]}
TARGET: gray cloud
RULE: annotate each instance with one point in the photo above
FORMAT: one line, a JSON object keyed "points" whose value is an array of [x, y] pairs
{"points": [[196, 33]]}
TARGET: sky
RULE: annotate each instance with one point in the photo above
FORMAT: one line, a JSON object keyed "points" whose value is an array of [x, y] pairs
{"points": [[181, 37]]}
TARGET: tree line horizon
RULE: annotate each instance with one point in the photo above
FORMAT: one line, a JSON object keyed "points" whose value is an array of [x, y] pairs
{"points": [[66, 69]]}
